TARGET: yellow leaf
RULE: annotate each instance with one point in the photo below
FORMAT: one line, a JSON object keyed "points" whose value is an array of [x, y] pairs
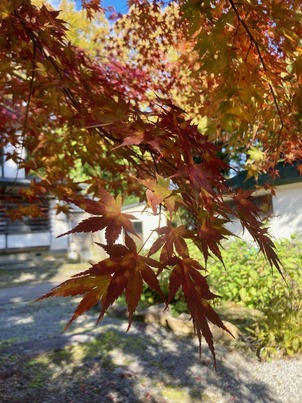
{"points": [[255, 154]]}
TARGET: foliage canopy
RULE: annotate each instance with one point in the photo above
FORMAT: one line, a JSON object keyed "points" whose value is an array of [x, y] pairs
{"points": [[152, 100]]}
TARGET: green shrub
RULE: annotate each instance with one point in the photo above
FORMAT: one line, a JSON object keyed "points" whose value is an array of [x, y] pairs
{"points": [[247, 279], [281, 331]]}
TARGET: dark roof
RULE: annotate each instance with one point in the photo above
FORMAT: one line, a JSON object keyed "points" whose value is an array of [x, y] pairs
{"points": [[287, 173]]}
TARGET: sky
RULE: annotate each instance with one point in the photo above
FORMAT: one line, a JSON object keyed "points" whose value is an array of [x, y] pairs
{"points": [[119, 5]]}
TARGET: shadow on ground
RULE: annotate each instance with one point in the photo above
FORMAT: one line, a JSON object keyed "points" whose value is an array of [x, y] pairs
{"points": [[26, 273], [106, 364]]}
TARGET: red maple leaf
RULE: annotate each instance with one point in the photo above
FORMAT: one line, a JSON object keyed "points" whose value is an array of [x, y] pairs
{"points": [[211, 232], [109, 214], [248, 213], [171, 240], [196, 291], [109, 279]]}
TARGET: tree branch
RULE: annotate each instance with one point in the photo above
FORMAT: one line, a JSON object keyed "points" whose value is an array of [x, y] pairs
{"points": [[253, 40]]}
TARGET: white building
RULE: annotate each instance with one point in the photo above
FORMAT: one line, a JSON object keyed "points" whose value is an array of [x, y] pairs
{"points": [[284, 210], [39, 235], [145, 224], [35, 235]]}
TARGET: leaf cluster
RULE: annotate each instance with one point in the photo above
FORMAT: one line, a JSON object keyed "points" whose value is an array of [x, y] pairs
{"points": [[66, 105]]}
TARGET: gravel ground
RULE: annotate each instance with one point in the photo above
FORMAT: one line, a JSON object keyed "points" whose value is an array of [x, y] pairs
{"points": [[147, 364]]}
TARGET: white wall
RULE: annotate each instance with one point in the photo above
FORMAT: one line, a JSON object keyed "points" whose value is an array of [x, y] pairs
{"points": [[24, 241], [2, 242], [58, 225], [286, 217], [10, 168], [287, 211], [149, 220]]}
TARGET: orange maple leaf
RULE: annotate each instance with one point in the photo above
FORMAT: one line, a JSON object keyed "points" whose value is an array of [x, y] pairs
{"points": [[109, 279], [92, 283]]}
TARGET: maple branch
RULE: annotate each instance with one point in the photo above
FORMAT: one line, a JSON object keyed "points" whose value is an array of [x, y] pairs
{"points": [[31, 86], [153, 159], [247, 53], [106, 136], [253, 40], [34, 38]]}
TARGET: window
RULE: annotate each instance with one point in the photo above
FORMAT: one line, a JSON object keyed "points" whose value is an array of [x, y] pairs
{"points": [[27, 224], [138, 227]]}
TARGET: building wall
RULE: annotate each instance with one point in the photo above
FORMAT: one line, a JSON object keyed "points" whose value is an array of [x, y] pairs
{"points": [[9, 169], [287, 211], [286, 218], [58, 225], [149, 222]]}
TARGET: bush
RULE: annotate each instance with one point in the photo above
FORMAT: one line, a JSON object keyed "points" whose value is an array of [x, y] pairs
{"points": [[281, 331], [247, 279]]}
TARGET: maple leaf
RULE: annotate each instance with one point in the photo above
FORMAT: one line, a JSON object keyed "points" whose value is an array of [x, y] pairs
{"points": [[128, 275], [248, 213], [91, 7], [255, 155], [186, 274], [210, 233], [200, 178], [92, 283], [171, 239], [158, 190], [244, 206], [299, 169], [123, 272], [110, 218]]}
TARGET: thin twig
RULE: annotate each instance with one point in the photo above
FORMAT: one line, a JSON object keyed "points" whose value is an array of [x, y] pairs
{"points": [[31, 87], [253, 40], [39, 46]]}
